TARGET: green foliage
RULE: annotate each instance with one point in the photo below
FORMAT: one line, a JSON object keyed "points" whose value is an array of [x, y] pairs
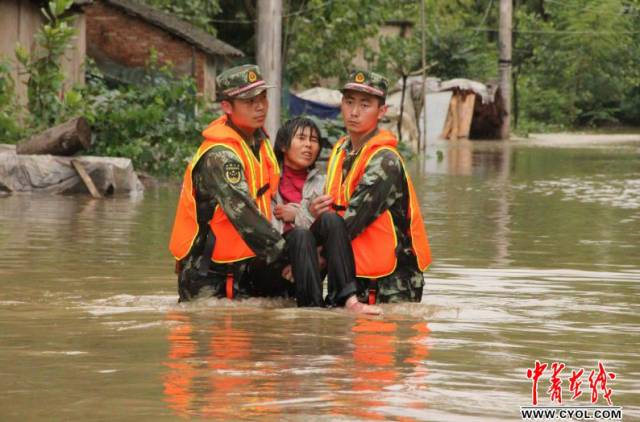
{"points": [[398, 56], [154, 123], [332, 31], [456, 45], [197, 12], [543, 103], [577, 62], [46, 102], [10, 130]]}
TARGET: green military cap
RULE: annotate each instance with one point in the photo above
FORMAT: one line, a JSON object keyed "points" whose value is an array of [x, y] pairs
{"points": [[366, 81], [241, 82]]}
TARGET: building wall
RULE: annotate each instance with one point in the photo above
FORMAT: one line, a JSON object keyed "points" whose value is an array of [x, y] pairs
{"points": [[210, 79], [19, 23], [74, 58], [117, 37]]}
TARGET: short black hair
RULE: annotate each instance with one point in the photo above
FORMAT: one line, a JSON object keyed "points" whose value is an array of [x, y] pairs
{"points": [[288, 130]]}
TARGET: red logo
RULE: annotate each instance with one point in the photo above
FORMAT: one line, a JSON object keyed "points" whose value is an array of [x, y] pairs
{"points": [[597, 382]]}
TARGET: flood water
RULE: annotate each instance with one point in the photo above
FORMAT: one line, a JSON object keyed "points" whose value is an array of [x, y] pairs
{"points": [[536, 257]]}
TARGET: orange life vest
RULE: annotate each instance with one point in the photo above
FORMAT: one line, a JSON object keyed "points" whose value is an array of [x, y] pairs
{"points": [[374, 248], [262, 176]]}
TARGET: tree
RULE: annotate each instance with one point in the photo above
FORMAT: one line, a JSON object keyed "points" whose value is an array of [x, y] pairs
{"points": [[332, 30], [398, 57], [577, 65]]}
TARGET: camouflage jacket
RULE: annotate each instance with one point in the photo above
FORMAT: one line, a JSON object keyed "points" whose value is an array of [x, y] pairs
{"points": [[382, 187], [213, 188]]}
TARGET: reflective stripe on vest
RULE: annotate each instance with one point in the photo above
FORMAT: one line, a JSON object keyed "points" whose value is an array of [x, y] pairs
{"points": [[374, 248], [262, 177]]}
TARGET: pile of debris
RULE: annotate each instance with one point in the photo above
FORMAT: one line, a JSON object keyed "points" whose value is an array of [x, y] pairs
{"points": [[44, 163]]}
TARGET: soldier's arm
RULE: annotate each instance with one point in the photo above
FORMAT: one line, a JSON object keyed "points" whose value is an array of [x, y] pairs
{"points": [[379, 188], [221, 178]]}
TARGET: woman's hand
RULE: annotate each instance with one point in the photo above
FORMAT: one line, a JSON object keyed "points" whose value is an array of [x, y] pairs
{"points": [[286, 212], [320, 204], [322, 262], [287, 273]]}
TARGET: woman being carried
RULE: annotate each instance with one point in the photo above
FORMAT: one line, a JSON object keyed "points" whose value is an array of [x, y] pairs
{"points": [[297, 147]]}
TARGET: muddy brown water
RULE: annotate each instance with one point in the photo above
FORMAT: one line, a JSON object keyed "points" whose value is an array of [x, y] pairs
{"points": [[536, 257]]}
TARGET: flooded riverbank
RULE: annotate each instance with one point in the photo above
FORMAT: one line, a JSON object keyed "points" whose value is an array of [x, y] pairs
{"points": [[536, 257]]}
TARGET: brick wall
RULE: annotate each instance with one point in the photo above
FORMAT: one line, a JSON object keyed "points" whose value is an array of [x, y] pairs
{"points": [[128, 40]]}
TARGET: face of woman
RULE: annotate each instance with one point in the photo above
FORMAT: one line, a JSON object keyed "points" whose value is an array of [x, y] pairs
{"points": [[304, 149]]}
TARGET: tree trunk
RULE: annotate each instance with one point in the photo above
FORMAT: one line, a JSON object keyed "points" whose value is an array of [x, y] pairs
{"points": [[404, 88], [64, 139], [504, 63], [269, 57]]}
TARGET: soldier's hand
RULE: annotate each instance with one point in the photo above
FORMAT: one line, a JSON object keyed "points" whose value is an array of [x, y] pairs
{"points": [[286, 212], [320, 204]]}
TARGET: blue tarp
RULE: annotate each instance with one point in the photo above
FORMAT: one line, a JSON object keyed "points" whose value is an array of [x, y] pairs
{"points": [[299, 106]]}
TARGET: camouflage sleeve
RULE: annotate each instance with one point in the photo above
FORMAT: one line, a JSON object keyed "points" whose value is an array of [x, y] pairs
{"points": [[219, 176], [379, 188]]}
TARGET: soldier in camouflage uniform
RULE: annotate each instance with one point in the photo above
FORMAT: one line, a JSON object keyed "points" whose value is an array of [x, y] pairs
{"points": [[218, 180], [383, 186]]}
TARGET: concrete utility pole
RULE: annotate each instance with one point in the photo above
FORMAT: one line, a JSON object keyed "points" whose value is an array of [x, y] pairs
{"points": [[423, 146], [506, 12], [269, 55]]}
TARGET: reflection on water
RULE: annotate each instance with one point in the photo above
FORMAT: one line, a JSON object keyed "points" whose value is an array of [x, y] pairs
{"points": [[346, 371], [537, 257]]}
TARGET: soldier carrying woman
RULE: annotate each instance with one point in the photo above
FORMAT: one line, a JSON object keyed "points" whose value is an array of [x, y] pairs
{"points": [[223, 239]]}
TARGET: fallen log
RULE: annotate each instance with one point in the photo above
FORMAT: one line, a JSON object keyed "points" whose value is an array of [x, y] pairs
{"points": [[64, 139]]}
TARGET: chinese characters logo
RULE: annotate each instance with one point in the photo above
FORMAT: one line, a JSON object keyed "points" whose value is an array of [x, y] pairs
{"points": [[597, 378]]}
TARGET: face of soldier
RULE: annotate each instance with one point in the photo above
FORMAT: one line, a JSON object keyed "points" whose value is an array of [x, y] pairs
{"points": [[248, 114], [304, 149], [361, 112]]}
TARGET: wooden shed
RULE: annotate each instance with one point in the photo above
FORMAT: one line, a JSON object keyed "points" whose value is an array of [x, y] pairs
{"points": [[20, 20], [475, 110], [122, 33]]}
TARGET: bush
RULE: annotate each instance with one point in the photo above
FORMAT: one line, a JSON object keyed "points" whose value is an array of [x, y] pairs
{"points": [[548, 106], [155, 123], [10, 130]]}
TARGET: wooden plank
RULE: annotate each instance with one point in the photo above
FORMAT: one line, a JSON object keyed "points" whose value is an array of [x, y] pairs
{"points": [[86, 178], [447, 124], [466, 113], [455, 116], [452, 120]]}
